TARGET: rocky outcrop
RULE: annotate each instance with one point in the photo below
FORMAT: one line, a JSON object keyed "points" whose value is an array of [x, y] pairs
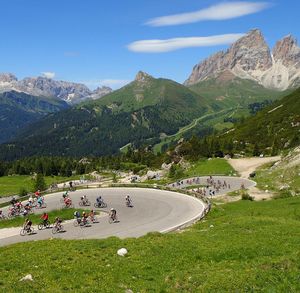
{"points": [[251, 58]]}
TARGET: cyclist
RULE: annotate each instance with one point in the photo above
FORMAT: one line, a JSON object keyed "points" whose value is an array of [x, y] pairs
{"points": [[40, 201], [18, 206], [92, 215], [65, 194], [13, 201], [84, 218], [67, 201], [84, 199], [45, 218], [27, 225], [77, 216], [57, 222], [99, 200], [113, 214], [128, 200]]}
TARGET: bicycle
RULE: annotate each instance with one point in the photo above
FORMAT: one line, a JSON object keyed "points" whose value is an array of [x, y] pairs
{"points": [[85, 202], [57, 229], [43, 225], [112, 219], [101, 204], [42, 206], [27, 231]]}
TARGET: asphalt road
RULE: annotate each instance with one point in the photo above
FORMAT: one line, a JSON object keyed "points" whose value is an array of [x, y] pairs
{"points": [[154, 210]]}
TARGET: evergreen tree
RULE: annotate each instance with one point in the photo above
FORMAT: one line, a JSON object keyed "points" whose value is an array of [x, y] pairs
{"points": [[40, 183]]}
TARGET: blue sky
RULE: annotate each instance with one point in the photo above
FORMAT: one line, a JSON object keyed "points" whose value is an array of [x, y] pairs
{"points": [[87, 41]]}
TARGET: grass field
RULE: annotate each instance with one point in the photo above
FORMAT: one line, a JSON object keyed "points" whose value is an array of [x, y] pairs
{"points": [[216, 166], [241, 247], [10, 185], [65, 214]]}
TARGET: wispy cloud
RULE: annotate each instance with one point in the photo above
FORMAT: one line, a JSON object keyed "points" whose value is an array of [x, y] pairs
{"points": [[158, 46], [113, 83], [220, 11], [48, 74]]}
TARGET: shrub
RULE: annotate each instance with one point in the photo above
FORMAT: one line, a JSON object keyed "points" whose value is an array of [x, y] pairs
{"points": [[23, 192], [247, 196]]}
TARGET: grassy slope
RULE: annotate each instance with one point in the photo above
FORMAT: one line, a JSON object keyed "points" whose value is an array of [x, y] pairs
{"points": [[224, 94], [241, 247], [10, 185], [210, 167], [274, 122]]}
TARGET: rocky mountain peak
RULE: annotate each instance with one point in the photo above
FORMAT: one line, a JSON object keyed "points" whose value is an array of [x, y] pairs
{"points": [[7, 77], [142, 76], [250, 58], [287, 50]]}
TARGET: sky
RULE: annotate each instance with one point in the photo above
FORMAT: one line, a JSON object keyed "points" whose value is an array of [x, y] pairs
{"points": [[99, 42]]}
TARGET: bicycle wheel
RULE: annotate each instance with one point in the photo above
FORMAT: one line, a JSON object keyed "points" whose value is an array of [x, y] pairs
{"points": [[41, 226], [110, 220], [96, 205], [88, 203], [23, 232], [54, 230], [81, 203], [104, 205], [76, 223]]}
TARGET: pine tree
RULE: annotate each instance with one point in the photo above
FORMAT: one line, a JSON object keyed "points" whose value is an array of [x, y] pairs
{"points": [[40, 183]]}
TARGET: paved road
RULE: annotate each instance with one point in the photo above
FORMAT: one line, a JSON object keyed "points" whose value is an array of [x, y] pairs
{"points": [[233, 183], [154, 210]]}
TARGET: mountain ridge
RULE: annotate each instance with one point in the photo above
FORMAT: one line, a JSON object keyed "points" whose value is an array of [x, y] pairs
{"points": [[70, 92], [251, 58]]}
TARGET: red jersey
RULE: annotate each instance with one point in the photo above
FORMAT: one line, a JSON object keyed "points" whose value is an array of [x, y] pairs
{"points": [[45, 217]]}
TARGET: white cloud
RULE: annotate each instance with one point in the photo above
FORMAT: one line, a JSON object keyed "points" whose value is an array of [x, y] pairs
{"points": [[158, 46], [220, 11], [48, 74], [113, 83]]}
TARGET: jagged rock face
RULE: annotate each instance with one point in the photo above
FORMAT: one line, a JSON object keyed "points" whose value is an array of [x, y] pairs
{"points": [[142, 76], [287, 51], [251, 58], [41, 86], [7, 77]]}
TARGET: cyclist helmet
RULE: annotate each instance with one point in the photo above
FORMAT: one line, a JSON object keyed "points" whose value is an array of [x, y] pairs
{"points": [[111, 209], [83, 213]]}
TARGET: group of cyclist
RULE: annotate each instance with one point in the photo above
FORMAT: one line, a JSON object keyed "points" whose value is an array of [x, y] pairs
{"points": [[81, 219]]}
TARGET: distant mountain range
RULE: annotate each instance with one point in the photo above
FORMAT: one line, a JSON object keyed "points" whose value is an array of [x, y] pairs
{"points": [[251, 58], [70, 92], [147, 110], [138, 113]]}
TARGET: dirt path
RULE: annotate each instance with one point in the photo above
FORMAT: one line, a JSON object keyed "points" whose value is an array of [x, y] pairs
{"points": [[246, 166]]}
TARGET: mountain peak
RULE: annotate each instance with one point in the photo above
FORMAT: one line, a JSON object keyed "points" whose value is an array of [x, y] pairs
{"points": [[250, 58], [142, 76], [7, 77], [286, 50]]}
